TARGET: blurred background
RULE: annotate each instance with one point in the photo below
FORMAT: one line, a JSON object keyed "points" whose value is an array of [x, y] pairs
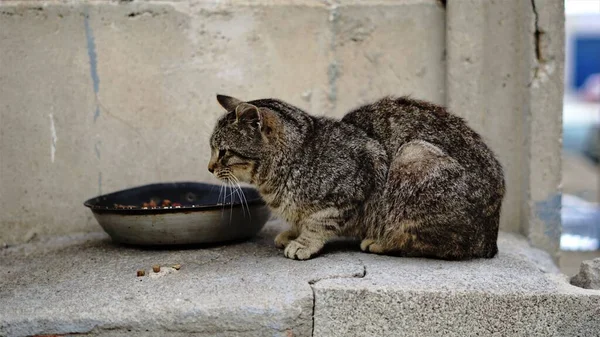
{"points": [[581, 133]]}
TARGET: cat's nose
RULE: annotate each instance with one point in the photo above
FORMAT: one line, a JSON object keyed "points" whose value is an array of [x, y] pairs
{"points": [[211, 168]]}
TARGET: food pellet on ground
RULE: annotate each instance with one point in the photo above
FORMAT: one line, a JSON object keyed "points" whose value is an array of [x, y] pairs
{"points": [[177, 267], [156, 268], [141, 273]]}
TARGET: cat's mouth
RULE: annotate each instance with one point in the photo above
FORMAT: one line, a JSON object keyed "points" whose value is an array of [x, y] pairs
{"points": [[225, 175], [233, 173]]}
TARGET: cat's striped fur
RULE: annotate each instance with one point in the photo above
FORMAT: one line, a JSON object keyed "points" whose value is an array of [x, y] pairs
{"points": [[405, 176]]}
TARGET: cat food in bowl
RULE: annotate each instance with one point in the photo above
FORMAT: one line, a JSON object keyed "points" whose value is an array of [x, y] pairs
{"points": [[179, 213]]}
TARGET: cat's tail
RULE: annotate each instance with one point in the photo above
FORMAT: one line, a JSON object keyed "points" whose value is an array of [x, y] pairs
{"points": [[490, 226]]}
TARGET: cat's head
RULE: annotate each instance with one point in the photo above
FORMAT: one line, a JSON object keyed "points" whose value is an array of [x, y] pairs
{"points": [[243, 136]]}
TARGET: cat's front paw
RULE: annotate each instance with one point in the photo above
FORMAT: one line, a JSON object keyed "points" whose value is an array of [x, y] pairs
{"points": [[297, 251], [283, 239]]}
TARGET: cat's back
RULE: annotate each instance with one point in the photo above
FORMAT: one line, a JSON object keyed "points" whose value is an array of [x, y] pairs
{"points": [[397, 121], [336, 149]]}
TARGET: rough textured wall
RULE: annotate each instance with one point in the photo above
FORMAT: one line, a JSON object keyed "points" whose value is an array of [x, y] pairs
{"points": [[102, 95], [505, 76]]}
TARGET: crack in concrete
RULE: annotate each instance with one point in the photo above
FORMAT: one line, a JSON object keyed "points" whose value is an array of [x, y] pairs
{"points": [[143, 12], [20, 11], [311, 283], [543, 63], [537, 34]]}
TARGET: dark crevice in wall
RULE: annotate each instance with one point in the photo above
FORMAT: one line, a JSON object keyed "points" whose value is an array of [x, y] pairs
{"points": [[20, 12], [538, 33], [136, 14]]}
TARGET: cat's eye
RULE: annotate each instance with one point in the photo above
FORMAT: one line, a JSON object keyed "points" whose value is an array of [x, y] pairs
{"points": [[222, 153]]}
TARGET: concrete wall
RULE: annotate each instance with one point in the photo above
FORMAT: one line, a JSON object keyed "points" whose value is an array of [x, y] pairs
{"points": [[98, 96]]}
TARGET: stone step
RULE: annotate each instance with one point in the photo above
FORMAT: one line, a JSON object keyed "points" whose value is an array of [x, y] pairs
{"points": [[85, 284]]}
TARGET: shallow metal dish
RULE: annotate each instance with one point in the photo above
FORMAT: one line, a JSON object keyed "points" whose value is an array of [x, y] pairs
{"points": [[199, 219]]}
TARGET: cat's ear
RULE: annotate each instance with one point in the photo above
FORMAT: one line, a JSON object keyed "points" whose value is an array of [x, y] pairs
{"points": [[248, 113], [227, 102]]}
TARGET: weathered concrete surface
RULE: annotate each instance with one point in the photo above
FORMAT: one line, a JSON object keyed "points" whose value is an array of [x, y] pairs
{"points": [[103, 95], [84, 283], [504, 296], [486, 82], [504, 75], [544, 133], [589, 275], [88, 284], [385, 48]]}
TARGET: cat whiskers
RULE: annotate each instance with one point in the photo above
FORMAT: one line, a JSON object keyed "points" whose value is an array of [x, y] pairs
{"points": [[231, 187], [242, 195], [220, 194], [221, 200], [225, 176], [231, 199], [223, 191]]}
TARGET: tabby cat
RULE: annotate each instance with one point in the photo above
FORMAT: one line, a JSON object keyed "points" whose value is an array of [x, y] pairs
{"points": [[404, 176]]}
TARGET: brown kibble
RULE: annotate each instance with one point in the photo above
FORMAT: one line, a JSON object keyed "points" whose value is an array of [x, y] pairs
{"points": [[157, 203], [156, 268], [119, 206], [177, 267], [141, 273]]}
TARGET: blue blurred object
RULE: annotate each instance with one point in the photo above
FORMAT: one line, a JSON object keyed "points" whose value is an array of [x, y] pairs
{"points": [[587, 58]]}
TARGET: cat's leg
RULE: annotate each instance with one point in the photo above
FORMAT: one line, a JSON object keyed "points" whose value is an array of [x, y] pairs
{"points": [[308, 244], [315, 231], [283, 239], [426, 202]]}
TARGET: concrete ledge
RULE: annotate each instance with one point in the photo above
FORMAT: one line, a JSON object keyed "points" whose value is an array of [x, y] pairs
{"points": [[510, 295], [86, 284]]}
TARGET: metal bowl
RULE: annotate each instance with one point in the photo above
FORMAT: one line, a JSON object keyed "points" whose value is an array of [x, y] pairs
{"points": [[199, 219]]}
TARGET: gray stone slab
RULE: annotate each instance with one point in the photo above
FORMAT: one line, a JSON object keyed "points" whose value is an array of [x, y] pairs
{"points": [[85, 283], [518, 293]]}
